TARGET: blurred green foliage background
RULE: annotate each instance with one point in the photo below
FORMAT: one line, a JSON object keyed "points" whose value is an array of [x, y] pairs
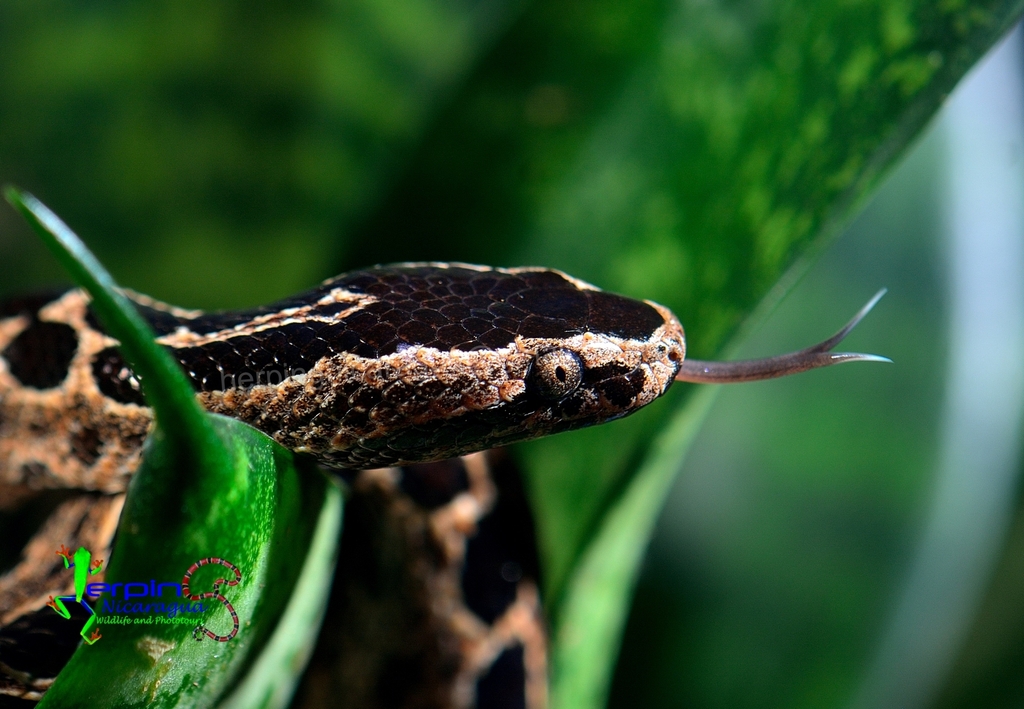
{"points": [[221, 154]]}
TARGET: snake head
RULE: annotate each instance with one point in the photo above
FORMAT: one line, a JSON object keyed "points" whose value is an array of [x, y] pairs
{"points": [[429, 361]]}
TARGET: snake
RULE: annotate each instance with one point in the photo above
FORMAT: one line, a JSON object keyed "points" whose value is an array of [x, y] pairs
{"points": [[400, 377]]}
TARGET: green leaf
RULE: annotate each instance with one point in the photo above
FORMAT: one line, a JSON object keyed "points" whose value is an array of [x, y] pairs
{"points": [[263, 524], [207, 486], [272, 678], [163, 383], [587, 639], [699, 155]]}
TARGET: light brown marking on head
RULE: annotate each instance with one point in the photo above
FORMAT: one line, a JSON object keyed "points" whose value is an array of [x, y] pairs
{"points": [[150, 302], [183, 337], [70, 436], [10, 328]]}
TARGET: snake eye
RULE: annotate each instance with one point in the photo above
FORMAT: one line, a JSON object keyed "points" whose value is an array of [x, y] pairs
{"points": [[556, 373]]}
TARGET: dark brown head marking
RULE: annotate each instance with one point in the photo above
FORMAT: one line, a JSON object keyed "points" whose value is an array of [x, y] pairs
{"points": [[40, 356]]}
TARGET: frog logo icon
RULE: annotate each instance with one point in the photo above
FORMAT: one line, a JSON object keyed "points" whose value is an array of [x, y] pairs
{"points": [[84, 567]]}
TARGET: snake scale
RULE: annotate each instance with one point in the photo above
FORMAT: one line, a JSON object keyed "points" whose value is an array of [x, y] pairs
{"points": [[387, 375]]}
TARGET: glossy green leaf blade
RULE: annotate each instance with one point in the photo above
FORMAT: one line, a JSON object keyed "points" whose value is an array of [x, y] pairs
{"points": [[580, 680], [271, 679], [262, 524], [207, 487], [689, 153], [720, 165], [585, 644]]}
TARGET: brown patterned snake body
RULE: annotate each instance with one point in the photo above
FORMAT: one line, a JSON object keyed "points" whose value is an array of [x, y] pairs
{"points": [[387, 371]]}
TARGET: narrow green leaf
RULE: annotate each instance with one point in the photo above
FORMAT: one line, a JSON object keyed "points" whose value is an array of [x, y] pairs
{"points": [[262, 524], [688, 153], [163, 383], [718, 171], [208, 489], [591, 618], [270, 681]]}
